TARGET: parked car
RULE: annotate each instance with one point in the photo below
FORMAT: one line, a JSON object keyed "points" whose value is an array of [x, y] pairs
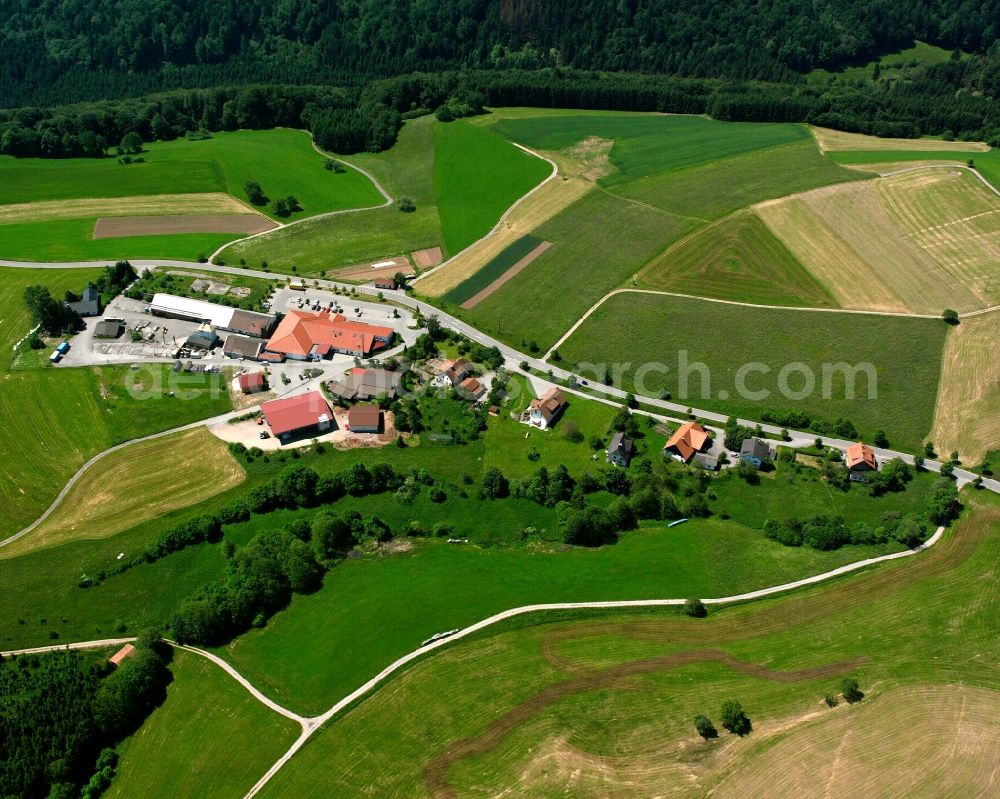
{"points": [[264, 434]]}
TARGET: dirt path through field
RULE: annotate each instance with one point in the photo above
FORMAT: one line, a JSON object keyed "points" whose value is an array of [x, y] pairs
{"points": [[435, 773]]}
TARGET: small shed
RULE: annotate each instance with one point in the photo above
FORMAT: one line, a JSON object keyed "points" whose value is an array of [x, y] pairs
{"points": [[705, 461], [107, 328], [252, 383], [364, 419], [121, 655], [202, 340]]}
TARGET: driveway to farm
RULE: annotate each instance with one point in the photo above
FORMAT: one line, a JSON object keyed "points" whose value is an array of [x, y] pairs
{"points": [[514, 358]]}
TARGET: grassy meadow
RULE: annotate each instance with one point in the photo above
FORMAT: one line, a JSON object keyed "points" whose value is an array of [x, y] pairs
{"points": [[460, 177], [662, 177], [906, 355], [373, 610], [134, 485], [606, 703], [282, 161], [191, 747], [64, 416], [737, 259], [585, 254], [72, 239], [477, 176]]}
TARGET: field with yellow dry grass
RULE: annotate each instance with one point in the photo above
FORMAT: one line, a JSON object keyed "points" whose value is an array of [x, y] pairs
{"points": [[135, 484], [927, 740], [833, 140], [967, 415], [527, 215], [149, 205], [915, 242]]}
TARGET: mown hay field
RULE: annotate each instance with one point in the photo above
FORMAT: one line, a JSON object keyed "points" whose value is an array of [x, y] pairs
{"points": [[135, 484], [967, 415], [737, 258], [606, 704], [212, 202], [915, 242], [834, 140], [56, 419]]}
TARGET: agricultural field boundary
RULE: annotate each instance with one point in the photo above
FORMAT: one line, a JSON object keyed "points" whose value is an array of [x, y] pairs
{"points": [[328, 214], [510, 274], [312, 724], [615, 292], [500, 222]]}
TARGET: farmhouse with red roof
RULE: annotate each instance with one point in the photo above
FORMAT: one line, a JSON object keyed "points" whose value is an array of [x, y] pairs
{"points": [[688, 440], [860, 459], [305, 336]]}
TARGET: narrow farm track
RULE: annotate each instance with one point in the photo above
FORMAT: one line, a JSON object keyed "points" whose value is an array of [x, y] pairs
{"points": [[282, 226]]}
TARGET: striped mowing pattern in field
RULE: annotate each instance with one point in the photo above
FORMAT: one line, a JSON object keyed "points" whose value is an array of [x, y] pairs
{"points": [[494, 269]]}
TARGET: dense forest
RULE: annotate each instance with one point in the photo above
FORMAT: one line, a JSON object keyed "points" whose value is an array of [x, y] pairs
{"points": [[55, 51], [61, 713], [351, 71]]}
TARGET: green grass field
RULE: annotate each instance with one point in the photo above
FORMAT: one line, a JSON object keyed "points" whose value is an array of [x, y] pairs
{"points": [[282, 161], [64, 416], [668, 176], [648, 143], [471, 286], [477, 176], [598, 243], [736, 259], [405, 170], [396, 601], [71, 239], [460, 177], [14, 319], [905, 354], [210, 738], [711, 190], [605, 704]]}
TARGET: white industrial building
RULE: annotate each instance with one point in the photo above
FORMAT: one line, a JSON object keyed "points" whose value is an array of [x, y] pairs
{"points": [[221, 317]]}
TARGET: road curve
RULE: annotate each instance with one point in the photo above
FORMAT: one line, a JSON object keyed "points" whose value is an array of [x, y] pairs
{"points": [[316, 722], [80, 472], [515, 357]]}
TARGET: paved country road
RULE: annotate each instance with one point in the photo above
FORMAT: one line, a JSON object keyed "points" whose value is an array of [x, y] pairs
{"points": [[512, 356]]}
